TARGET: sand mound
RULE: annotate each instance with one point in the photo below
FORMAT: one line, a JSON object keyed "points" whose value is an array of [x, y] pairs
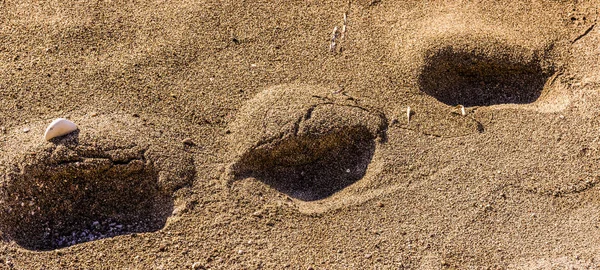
{"points": [[305, 140], [87, 185]]}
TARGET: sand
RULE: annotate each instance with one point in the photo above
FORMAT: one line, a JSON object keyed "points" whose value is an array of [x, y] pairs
{"points": [[235, 135]]}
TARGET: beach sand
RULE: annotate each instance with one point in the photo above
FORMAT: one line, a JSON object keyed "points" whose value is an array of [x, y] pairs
{"points": [[278, 134]]}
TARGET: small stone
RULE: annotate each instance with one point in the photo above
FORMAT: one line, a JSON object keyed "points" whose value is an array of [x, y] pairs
{"points": [[188, 141], [240, 252], [25, 130], [380, 204], [258, 213], [197, 266], [94, 114]]}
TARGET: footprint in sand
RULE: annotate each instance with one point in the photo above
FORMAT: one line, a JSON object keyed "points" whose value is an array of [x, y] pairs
{"points": [[466, 61], [114, 176], [305, 141], [512, 83], [512, 86], [482, 72]]}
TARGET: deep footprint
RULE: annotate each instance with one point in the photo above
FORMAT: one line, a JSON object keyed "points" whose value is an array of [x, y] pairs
{"points": [[102, 182], [305, 141], [464, 74]]}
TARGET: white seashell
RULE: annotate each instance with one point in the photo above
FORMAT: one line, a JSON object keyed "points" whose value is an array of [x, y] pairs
{"points": [[59, 127]]}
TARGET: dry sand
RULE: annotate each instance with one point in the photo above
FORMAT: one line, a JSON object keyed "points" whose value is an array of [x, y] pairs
{"points": [[233, 135]]}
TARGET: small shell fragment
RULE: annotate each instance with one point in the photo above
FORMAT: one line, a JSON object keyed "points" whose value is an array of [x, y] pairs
{"points": [[59, 127]]}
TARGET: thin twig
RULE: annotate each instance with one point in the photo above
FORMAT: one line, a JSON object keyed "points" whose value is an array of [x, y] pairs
{"points": [[587, 31], [334, 36]]}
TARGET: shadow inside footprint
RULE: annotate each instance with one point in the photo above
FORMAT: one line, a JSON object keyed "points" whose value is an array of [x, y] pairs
{"points": [[314, 168], [471, 77], [309, 145], [76, 190], [51, 204]]}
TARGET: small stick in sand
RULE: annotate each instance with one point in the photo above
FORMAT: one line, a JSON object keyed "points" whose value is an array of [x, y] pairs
{"points": [[334, 36], [344, 25], [408, 113]]}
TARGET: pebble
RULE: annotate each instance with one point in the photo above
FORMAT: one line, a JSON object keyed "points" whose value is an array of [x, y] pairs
{"points": [[97, 230], [25, 130], [197, 266], [188, 141], [258, 213]]}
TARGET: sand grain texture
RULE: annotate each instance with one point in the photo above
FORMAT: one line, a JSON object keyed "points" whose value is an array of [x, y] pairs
{"points": [[180, 139]]}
